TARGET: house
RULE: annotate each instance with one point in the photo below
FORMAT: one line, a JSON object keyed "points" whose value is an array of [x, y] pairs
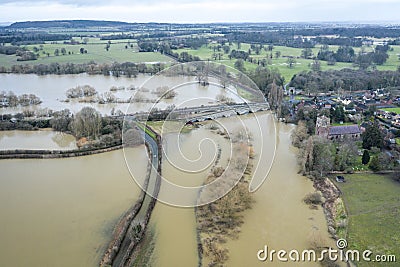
{"points": [[4, 102], [351, 131], [396, 121]]}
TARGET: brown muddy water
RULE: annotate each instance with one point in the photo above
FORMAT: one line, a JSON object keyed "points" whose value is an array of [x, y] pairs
{"points": [[51, 89], [43, 139], [278, 219], [61, 212]]}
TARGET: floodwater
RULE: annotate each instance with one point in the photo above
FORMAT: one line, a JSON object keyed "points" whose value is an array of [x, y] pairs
{"points": [[43, 139], [51, 89], [176, 243], [278, 218], [61, 212]]}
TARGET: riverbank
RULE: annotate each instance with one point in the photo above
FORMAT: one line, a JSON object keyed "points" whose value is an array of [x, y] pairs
{"points": [[52, 154], [334, 208]]}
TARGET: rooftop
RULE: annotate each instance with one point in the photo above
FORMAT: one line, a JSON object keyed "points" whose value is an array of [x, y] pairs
{"points": [[347, 129]]}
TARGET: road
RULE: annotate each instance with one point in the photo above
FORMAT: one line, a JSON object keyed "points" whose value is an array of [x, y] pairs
{"points": [[141, 216]]}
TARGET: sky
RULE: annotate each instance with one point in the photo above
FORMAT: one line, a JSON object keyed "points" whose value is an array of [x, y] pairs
{"points": [[202, 11]]}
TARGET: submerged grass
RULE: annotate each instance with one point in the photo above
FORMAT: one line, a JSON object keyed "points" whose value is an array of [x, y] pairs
{"points": [[144, 252], [222, 219]]}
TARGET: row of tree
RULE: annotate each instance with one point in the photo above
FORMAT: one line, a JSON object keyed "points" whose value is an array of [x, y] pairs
{"points": [[128, 69], [346, 54], [346, 79]]}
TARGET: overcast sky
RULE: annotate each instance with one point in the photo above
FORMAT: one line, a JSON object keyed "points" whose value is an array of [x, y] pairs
{"points": [[202, 10]]}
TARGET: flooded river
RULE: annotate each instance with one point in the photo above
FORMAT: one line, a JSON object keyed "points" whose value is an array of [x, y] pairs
{"points": [[61, 212], [176, 243], [278, 218]]}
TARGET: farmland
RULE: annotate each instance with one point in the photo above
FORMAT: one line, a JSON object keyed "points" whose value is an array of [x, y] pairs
{"points": [[280, 63], [372, 202], [119, 51]]}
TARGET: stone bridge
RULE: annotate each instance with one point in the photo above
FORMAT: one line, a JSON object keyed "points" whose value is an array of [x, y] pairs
{"points": [[202, 113]]}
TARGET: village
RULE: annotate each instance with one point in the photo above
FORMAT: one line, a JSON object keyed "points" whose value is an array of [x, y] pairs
{"points": [[369, 120]]}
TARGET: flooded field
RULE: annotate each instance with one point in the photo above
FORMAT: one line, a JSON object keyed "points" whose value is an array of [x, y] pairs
{"points": [[51, 89], [61, 212], [44, 139]]}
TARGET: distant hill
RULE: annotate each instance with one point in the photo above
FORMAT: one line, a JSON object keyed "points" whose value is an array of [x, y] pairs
{"points": [[67, 24]]}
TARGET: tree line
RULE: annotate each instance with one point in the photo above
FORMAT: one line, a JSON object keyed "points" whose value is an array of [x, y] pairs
{"points": [[346, 79], [26, 37], [346, 54], [127, 69]]}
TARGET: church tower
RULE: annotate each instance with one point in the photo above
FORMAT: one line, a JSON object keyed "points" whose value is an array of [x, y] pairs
{"points": [[322, 126]]}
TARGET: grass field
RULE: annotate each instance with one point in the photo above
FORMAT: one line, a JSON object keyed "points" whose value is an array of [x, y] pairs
{"points": [[170, 127], [206, 53], [393, 61], [95, 52], [395, 110], [119, 53], [373, 205]]}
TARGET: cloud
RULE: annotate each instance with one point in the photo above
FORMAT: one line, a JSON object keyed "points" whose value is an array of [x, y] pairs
{"points": [[200, 10]]}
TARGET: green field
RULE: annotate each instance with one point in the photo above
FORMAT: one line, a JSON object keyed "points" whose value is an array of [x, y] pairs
{"points": [[395, 110], [280, 64], [206, 53], [118, 52], [373, 205], [95, 52]]}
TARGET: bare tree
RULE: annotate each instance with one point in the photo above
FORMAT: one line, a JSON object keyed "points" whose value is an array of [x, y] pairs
{"points": [[133, 137], [87, 123]]}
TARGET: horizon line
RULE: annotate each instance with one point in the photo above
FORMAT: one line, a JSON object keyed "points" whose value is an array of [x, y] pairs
{"points": [[8, 23]]}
